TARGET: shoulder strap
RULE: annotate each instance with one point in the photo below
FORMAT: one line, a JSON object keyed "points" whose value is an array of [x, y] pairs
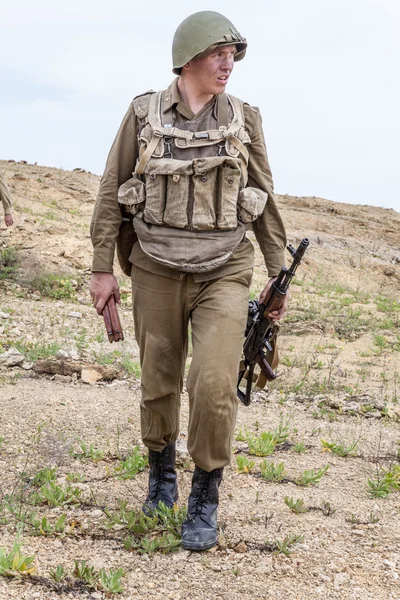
{"points": [[237, 123], [222, 111], [152, 114]]}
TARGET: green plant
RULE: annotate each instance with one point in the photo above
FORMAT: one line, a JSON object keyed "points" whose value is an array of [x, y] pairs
{"points": [[131, 367], [15, 563], [272, 472], [356, 520], [262, 445], [241, 435], [147, 545], [296, 506], [44, 476], [58, 574], [8, 261], [88, 452], [132, 465], [84, 572], [160, 532], [52, 285], [43, 526], [132, 520], [300, 448], [110, 582], [244, 465], [55, 495], [35, 350], [342, 450], [284, 546], [327, 509], [76, 477], [385, 482], [311, 477]]}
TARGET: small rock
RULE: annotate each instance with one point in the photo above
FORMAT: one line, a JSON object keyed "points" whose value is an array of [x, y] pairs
{"points": [[62, 378], [181, 446], [15, 331], [97, 513], [389, 564], [395, 575], [90, 375], [11, 358], [351, 406], [1, 330], [84, 300], [4, 315], [27, 365], [323, 577], [394, 412], [373, 414], [265, 566], [240, 547], [340, 579], [62, 354], [75, 314]]}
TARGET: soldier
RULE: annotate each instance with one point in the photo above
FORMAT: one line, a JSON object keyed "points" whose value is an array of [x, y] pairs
{"points": [[189, 168], [5, 198]]}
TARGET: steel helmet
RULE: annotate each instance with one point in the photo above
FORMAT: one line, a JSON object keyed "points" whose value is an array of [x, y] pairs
{"points": [[201, 30]]}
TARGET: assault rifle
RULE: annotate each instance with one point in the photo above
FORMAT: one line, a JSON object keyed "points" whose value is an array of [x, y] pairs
{"points": [[261, 329]]}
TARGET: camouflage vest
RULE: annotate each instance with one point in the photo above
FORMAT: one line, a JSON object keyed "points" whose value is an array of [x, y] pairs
{"points": [[188, 194]]}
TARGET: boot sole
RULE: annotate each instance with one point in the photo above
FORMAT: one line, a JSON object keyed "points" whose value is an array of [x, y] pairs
{"points": [[196, 546]]}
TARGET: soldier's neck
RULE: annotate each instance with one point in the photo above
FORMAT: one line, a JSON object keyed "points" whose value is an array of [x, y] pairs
{"points": [[194, 98]]}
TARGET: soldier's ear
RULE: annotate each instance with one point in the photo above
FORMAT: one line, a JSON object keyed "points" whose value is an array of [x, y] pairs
{"points": [[186, 67]]}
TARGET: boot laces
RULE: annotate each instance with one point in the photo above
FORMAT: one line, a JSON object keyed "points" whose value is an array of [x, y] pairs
{"points": [[160, 477], [203, 497]]}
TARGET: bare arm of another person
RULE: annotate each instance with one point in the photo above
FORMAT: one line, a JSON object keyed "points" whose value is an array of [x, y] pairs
{"points": [[5, 198], [268, 228]]}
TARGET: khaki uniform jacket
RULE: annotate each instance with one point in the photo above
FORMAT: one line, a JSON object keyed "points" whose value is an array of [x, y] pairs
{"points": [[121, 161], [5, 196]]}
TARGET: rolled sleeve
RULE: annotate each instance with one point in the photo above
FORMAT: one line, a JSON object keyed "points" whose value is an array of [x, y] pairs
{"points": [[268, 227], [107, 216]]}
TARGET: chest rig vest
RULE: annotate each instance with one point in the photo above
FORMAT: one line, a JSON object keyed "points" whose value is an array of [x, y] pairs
{"points": [[188, 194]]}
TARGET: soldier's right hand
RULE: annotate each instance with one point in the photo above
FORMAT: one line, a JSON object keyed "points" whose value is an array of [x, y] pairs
{"points": [[102, 285]]}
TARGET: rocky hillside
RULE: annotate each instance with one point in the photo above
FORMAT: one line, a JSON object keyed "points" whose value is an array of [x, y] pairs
{"points": [[310, 504]]}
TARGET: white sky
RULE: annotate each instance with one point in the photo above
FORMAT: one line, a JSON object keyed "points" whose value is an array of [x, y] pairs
{"points": [[325, 74]]}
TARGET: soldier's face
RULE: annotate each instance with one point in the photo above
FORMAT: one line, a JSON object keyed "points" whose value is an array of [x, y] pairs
{"points": [[212, 72]]}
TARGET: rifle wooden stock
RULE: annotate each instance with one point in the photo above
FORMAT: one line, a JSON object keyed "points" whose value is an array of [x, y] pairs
{"points": [[270, 375], [111, 320]]}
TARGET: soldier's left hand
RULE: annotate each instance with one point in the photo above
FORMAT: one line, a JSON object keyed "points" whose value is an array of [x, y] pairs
{"points": [[8, 220], [275, 315]]}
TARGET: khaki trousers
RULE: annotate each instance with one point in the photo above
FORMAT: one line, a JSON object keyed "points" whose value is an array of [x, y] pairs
{"points": [[217, 310]]}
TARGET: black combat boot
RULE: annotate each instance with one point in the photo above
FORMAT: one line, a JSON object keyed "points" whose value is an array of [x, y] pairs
{"points": [[199, 531], [162, 480]]}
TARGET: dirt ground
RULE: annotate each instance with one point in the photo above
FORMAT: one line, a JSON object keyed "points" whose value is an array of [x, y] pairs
{"points": [[338, 384]]}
